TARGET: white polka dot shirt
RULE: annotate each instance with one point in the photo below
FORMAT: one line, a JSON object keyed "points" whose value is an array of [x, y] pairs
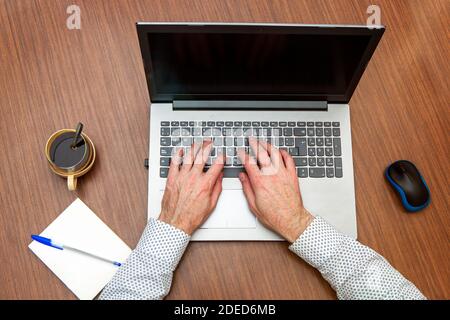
{"points": [[353, 270]]}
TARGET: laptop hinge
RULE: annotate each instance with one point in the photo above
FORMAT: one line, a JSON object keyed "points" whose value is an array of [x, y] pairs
{"points": [[250, 105]]}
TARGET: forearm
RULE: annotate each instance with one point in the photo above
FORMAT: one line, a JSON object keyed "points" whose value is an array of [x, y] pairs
{"points": [[148, 271], [352, 269]]}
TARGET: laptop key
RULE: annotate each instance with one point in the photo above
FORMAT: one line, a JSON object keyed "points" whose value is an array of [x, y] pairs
{"points": [[300, 132], [185, 131], [237, 132], [238, 123], [238, 142], [176, 141], [311, 142], [329, 152], [206, 131], [319, 132], [165, 151], [336, 132], [175, 123], [327, 124], [175, 131], [335, 124], [247, 124], [232, 172], [293, 152], [338, 167], [165, 123], [277, 132], [310, 124], [289, 142], [163, 172], [211, 123], [321, 162], [327, 132], [165, 131], [187, 141], [228, 142], [231, 152], [216, 132], [287, 132], [282, 123], [300, 143], [328, 142], [184, 123], [300, 162], [319, 142], [312, 152], [220, 123], [329, 162], [165, 141], [319, 123], [291, 124], [192, 123], [317, 172], [264, 124], [330, 173], [310, 132], [301, 123], [164, 162], [274, 124], [320, 152], [302, 172], [312, 162], [196, 131], [337, 146]]}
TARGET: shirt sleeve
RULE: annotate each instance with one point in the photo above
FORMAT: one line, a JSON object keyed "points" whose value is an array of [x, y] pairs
{"points": [[352, 269], [148, 271]]}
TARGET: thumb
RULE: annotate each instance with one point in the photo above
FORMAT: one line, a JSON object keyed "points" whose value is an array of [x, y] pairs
{"points": [[248, 191]]}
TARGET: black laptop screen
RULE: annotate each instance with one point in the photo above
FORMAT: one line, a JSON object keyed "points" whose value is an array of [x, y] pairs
{"points": [[253, 65]]}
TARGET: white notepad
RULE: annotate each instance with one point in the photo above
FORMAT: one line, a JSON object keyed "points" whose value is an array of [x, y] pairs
{"points": [[77, 226]]}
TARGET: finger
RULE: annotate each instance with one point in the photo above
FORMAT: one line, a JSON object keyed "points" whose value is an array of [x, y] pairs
{"points": [[273, 152], [217, 190], [288, 161], [216, 168], [250, 166], [248, 190], [261, 154], [175, 162], [188, 159], [202, 155]]}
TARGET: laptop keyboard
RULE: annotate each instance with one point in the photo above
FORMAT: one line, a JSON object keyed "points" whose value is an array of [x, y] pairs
{"points": [[315, 146]]}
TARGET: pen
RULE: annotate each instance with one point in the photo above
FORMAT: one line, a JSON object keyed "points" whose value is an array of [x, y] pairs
{"points": [[60, 246]]}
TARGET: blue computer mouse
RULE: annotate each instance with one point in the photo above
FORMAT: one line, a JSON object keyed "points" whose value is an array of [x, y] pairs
{"points": [[410, 185]]}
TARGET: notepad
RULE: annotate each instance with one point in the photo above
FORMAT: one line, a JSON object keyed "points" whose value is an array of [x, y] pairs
{"points": [[77, 226]]}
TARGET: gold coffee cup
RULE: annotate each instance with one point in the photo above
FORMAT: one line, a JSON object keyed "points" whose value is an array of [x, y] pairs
{"points": [[70, 157]]}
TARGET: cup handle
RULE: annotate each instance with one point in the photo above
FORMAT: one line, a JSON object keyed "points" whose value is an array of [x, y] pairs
{"points": [[71, 182]]}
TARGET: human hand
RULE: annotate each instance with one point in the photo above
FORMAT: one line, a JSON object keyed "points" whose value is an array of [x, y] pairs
{"points": [[191, 194], [272, 189]]}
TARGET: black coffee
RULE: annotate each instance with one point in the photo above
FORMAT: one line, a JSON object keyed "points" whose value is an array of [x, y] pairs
{"points": [[63, 155]]}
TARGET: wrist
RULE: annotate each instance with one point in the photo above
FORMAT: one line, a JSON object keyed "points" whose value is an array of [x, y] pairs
{"points": [[298, 225], [176, 222]]}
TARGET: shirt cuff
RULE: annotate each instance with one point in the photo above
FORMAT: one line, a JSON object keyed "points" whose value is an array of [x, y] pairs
{"points": [[163, 241], [317, 243]]}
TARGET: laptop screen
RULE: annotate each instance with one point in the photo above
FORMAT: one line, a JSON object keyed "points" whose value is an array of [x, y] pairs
{"points": [[254, 62]]}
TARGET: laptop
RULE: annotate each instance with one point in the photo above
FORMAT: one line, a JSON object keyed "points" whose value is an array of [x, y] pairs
{"points": [[287, 84]]}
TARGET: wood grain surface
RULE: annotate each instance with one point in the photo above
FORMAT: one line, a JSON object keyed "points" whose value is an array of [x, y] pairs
{"points": [[52, 77]]}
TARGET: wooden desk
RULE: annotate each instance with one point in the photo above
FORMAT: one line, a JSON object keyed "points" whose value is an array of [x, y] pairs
{"points": [[52, 77]]}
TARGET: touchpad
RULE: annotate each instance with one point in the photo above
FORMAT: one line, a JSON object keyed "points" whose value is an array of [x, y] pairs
{"points": [[232, 212]]}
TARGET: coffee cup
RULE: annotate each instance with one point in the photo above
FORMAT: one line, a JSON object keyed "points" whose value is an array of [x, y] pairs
{"points": [[69, 157]]}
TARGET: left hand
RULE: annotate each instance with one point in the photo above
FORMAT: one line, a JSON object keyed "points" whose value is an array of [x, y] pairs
{"points": [[191, 194]]}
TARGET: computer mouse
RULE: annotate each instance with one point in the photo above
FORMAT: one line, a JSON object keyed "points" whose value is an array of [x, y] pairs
{"points": [[406, 179]]}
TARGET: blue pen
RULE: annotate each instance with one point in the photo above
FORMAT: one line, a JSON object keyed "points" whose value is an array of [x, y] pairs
{"points": [[51, 243]]}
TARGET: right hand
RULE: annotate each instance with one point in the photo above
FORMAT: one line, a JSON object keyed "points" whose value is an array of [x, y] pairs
{"points": [[272, 190]]}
